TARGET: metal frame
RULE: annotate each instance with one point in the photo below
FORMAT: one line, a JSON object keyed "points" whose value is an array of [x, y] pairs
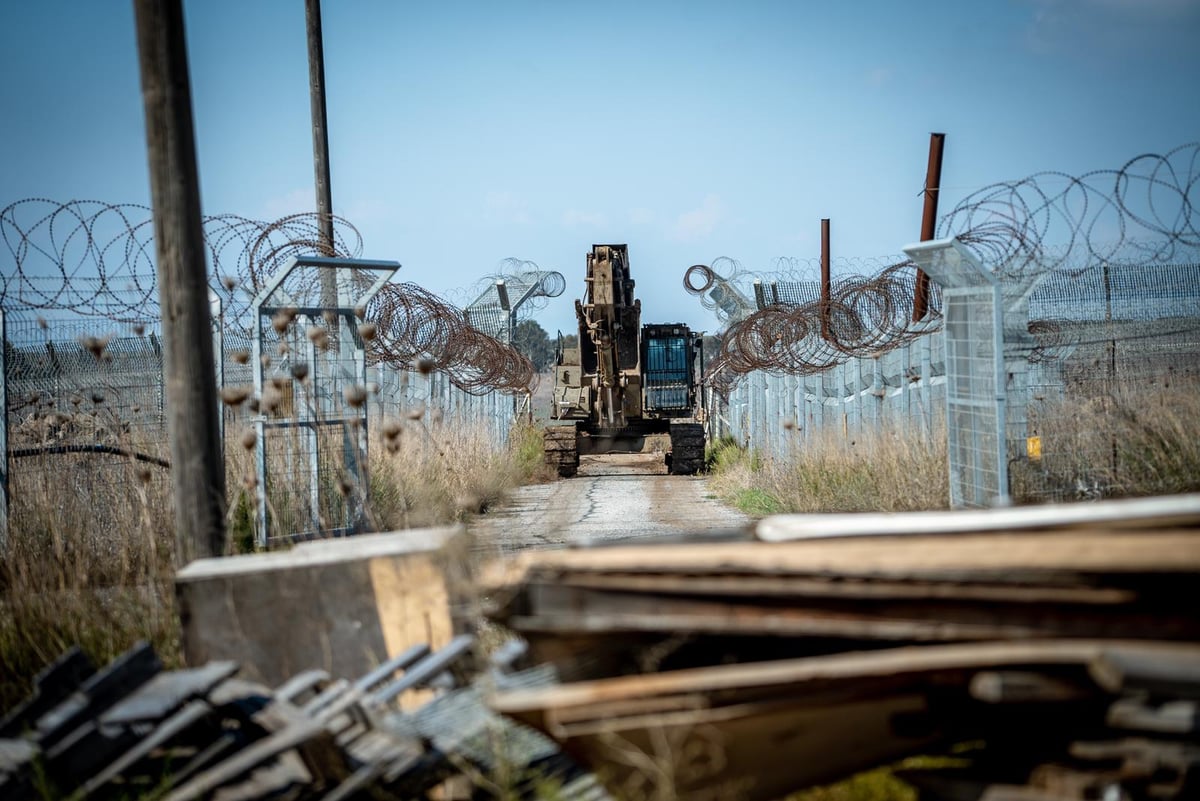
{"points": [[320, 411], [977, 478]]}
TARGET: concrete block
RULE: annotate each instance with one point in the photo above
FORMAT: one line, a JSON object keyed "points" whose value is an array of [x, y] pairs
{"points": [[342, 605]]}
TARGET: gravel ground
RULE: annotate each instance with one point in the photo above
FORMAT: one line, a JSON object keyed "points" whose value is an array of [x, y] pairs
{"points": [[614, 499]]}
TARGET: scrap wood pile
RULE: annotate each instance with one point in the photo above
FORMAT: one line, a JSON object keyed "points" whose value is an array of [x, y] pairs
{"points": [[1054, 653], [133, 729]]}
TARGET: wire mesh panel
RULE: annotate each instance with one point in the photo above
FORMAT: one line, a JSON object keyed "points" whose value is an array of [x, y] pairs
{"points": [[494, 312], [311, 385], [974, 398], [975, 377]]}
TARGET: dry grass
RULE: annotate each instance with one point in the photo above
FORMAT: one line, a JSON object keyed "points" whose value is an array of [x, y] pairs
{"points": [[1134, 441], [870, 472], [91, 539]]}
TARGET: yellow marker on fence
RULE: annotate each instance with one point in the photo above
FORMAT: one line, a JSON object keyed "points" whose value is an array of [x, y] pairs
{"points": [[1033, 448]]}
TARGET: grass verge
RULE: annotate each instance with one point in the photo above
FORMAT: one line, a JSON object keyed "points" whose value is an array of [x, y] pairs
{"points": [[89, 558], [884, 472]]}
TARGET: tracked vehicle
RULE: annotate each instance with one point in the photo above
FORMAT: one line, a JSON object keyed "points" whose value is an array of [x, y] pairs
{"points": [[627, 387]]}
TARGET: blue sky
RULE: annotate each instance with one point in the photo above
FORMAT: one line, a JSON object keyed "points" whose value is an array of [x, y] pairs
{"points": [[463, 133]]}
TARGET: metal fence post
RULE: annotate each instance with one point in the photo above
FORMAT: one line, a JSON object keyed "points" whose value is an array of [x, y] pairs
{"points": [[3, 433]]}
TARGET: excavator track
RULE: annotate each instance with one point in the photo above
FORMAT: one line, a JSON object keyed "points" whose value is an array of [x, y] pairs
{"points": [[561, 449], [687, 449]]}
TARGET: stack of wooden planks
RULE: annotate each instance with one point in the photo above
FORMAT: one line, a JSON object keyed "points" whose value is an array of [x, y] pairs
{"points": [[133, 730], [1062, 644]]}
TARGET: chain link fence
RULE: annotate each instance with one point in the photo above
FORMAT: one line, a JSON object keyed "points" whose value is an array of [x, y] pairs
{"points": [[1103, 386]]}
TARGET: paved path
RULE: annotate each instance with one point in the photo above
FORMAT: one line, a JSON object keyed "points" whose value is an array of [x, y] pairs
{"points": [[610, 505]]}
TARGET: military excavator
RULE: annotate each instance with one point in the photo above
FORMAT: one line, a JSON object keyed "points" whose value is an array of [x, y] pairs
{"points": [[626, 387]]}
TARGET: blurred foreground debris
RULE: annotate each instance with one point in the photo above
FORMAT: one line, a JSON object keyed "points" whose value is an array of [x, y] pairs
{"points": [[132, 729], [1056, 657]]}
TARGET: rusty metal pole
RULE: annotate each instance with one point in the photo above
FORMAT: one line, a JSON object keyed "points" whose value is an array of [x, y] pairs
{"points": [[189, 372], [826, 284], [933, 180]]}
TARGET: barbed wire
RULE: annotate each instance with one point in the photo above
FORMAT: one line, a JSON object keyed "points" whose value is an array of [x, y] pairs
{"points": [[1141, 214], [418, 330], [96, 259], [796, 332], [528, 289], [1145, 211]]}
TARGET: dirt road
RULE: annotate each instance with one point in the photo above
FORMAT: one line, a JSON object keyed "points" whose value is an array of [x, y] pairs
{"points": [[612, 500]]}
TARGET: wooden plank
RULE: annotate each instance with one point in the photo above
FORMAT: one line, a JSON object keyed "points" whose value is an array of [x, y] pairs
{"points": [[170, 728], [16, 754], [557, 608], [1025, 687], [1172, 717], [1173, 674], [51, 687], [752, 752], [845, 587], [99, 692], [166, 692], [798, 675], [300, 733], [1172, 510], [1012, 792], [1033, 557]]}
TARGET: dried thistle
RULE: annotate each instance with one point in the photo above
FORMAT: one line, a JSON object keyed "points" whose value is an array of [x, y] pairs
{"points": [[249, 439], [300, 371], [42, 324], [139, 329], [360, 311], [240, 356], [97, 398], [229, 282], [415, 413], [95, 345], [469, 503], [235, 395], [345, 486], [355, 395], [143, 474], [367, 331], [426, 365], [271, 400], [283, 318], [318, 336]]}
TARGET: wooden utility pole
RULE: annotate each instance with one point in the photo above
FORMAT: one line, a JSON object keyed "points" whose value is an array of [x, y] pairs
{"points": [[197, 466]]}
